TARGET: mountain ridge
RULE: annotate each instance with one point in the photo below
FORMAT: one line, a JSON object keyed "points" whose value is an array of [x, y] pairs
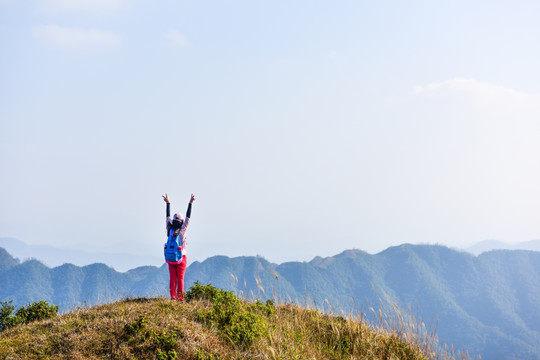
{"points": [[488, 245], [55, 256]]}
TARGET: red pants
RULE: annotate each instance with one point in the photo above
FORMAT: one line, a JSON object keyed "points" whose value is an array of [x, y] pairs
{"points": [[176, 283]]}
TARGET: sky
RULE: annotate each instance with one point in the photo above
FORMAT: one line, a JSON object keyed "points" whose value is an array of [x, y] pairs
{"points": [[303, 128]]}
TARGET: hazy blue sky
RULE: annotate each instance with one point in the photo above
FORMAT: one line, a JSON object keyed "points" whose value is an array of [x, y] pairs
{"points": [[303, 127]]}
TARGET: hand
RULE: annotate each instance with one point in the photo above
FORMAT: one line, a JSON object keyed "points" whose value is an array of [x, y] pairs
{"points": [[166, 198], [192, 199]]}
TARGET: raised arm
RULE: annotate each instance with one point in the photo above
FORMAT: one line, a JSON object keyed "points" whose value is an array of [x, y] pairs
{"points": [[188, 212], [168, 212]]}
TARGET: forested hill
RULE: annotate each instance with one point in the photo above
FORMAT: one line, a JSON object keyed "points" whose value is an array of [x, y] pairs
{"points": [[488, 304]]}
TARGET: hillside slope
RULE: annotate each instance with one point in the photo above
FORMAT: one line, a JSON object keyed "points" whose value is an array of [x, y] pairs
{"points": [[487, 304], [213, 324]]}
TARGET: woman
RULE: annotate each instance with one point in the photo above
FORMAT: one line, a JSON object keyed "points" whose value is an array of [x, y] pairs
{"points": [[176, 228]]}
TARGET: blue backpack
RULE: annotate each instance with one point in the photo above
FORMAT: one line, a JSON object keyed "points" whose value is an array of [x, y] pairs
{"points": [[171, 247]]}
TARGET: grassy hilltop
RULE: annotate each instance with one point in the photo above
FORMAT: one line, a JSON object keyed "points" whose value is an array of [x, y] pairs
{"points": [[211, 324]]}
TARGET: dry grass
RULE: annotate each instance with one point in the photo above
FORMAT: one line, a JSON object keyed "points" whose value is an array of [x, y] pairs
{"points": [[159, 328], [100, 333]]}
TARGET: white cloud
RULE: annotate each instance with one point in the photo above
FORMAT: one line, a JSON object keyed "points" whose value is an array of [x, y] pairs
{"points": [[477, 90], [177, 38], [77, 39], [486, 139], [484, 100], [80, 5], [482, 103]]}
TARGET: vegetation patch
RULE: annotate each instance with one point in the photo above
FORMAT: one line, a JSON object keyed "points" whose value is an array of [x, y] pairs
{"points": [[240, 322], [40, 310], [212, 324]]}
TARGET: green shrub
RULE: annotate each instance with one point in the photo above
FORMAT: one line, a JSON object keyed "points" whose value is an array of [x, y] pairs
{"points": [[135, 328], [166, 343], [6, 315], [169, 355], [245, 327], [40, 310], [164, 340], [266, 309], [201, 355], [239, 322], [199, 292]]}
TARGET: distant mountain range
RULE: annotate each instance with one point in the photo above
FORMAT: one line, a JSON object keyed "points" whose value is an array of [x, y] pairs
{"points": [[123, 261], [487, 304], [488, 245], [55, 256]]}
